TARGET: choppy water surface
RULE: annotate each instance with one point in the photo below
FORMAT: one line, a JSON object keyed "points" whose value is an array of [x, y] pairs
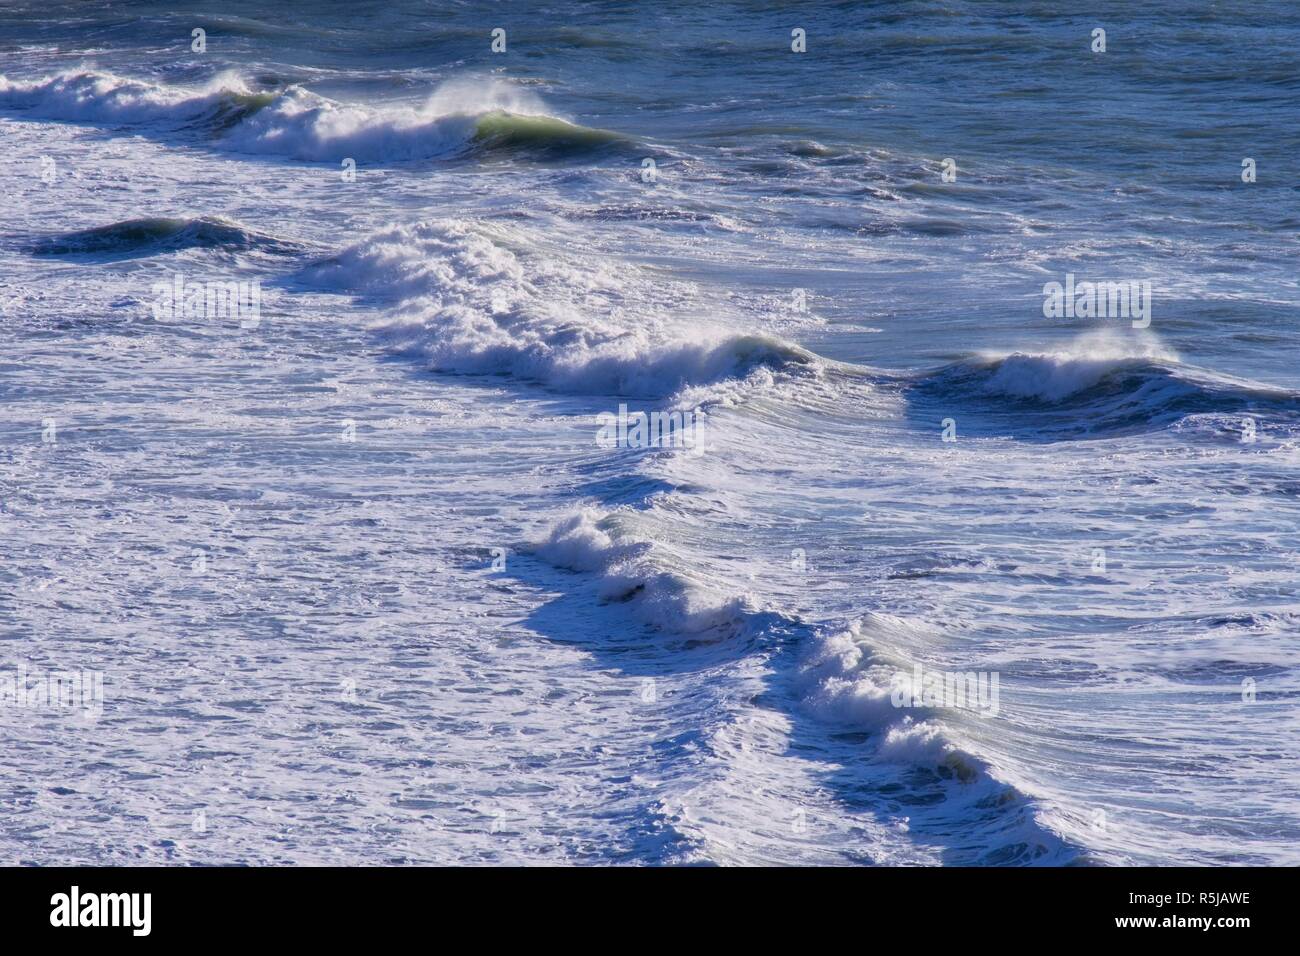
{"points": [[363, 585]]}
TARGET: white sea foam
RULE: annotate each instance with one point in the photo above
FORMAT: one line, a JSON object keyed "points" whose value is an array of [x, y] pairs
{"points": [[462, 114], [99, 97], [844, 679], [793, 462], [479, 298], [631, 569], [304, 125]]}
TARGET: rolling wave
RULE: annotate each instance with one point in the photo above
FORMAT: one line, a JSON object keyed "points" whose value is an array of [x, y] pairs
{"points": [[94, 97], [462, 118], [483, 299], [1091, 391], [839, 679], [500, 131]]}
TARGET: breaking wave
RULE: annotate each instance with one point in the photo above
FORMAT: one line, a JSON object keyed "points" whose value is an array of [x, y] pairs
{"points": [[461, 118], [477, 298], [136, 237], [1097, 389], [840, 678], [94, 97]]}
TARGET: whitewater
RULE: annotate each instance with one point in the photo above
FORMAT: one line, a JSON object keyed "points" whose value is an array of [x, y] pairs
{"points": [[364, 586]]}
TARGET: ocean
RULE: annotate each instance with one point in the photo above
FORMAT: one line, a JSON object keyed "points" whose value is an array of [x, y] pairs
{"points": [[605, 433]]}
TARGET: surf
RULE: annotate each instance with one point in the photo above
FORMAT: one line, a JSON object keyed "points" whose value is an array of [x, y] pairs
{"points": [[462, 118], [152, 235], [488, 299], [1096, 387]]}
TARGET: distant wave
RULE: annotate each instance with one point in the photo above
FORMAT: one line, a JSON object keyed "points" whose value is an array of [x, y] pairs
{"points": [[462, 118], [629, 570], [94, 97], [482, 299], [133, 237], [1096, 388], [844, 680], [500, 131]]}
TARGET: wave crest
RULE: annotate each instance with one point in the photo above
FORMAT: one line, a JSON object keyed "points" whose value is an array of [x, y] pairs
{"points": [[630, 570], [841, 679], [1096, 388], [480, 299], [462, 117], [134, 237], [95, 97]]}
